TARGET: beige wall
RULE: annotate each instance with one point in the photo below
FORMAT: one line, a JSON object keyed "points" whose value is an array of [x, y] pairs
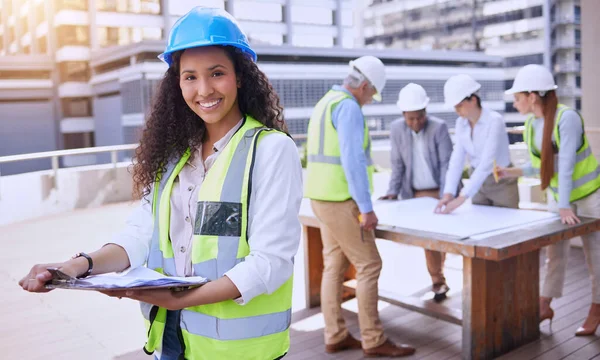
{"points": [[590, 74]]}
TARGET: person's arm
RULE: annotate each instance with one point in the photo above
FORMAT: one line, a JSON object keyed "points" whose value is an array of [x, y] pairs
{"points": [[444, 149], [571, 134], [349, 123], [456, 164], [488, 155], [398, 167], [129, 248]]}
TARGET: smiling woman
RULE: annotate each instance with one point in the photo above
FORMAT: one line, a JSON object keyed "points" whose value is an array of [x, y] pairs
{"points": [[220, 182]]}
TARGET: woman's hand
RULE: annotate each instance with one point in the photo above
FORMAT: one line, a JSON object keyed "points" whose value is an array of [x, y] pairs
{"points": [[454, 204], [443, 202], [37, 277], [508, 172], [567, 216], [165, 298]]}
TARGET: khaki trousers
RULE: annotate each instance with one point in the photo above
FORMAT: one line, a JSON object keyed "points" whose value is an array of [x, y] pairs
{"points": [[557, 254], [342, 245], [434, 259], [504, 193]]}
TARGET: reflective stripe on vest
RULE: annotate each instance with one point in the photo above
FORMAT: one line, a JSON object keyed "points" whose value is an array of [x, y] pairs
{"points": [[586, 174], [224, 330], [325, 178]]}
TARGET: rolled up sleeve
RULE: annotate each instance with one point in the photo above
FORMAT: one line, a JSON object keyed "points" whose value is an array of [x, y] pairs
{"points": [[135, 237]]}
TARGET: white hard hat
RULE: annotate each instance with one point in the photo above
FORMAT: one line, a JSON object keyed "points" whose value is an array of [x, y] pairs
{"points": [[532, 78], [373, 70], [458, 88], [412, 97]]}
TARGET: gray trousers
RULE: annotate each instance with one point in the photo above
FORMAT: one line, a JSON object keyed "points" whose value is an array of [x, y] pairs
{"points": [[558, 254]]}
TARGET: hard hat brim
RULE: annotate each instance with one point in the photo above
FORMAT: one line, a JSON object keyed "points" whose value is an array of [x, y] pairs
{"points": [[514, 90], [166, 56], [418, 107]]}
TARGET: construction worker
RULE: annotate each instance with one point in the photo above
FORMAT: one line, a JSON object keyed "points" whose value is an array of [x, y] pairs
{"points": [[339, 184], [561, 154], [420, 154], [221, 186], [482, 139]]}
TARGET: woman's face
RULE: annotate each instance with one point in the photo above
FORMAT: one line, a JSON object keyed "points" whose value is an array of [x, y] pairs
{"points": [[524, 102], [209, 84]]}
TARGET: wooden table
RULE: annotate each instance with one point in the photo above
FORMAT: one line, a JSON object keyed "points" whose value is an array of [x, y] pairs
{"points": [[500, 298]]}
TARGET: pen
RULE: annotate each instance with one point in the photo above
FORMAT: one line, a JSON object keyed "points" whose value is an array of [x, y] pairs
{"points": [[495, 171]]}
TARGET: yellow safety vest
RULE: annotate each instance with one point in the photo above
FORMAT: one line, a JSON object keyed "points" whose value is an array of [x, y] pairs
{"points": [[224, 330], [325, 177], [586, 174]]}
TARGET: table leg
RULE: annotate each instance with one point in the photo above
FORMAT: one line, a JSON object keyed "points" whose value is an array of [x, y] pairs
{"points": [[313, 267], [500, 305]]}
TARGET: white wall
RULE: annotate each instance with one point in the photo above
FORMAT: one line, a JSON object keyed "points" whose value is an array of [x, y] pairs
{"points": [[31, 195]]}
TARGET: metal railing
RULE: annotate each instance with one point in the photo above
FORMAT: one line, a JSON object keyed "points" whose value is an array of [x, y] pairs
{"points": [[54, 156]]}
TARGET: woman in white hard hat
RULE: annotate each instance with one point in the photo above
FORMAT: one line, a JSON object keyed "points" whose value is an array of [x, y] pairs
{"points": [[221, 191], [556, 131], [481, 137]]}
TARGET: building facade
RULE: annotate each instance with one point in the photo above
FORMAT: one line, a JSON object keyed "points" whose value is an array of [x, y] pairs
{"points": [[523, 32], [91, 80]]}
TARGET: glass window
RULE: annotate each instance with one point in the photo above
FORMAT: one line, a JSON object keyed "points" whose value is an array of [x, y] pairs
{"points": [[108, 36], [40, 12], [74, 71], [578, 104], [71, 5], [312, 15], [577, 56], [258, 11], [76, 107], [130, 6], [577, 11], [578, 81], [577, 37], [78, 140], [73, 35], [42, 44]]}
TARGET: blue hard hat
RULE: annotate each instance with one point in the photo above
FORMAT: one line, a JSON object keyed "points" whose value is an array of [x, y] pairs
{"points": [[203, 26]]}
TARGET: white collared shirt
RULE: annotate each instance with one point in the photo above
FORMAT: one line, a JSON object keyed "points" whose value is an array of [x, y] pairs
{"points": [[274, 229], [422, 178], [488, 142]]}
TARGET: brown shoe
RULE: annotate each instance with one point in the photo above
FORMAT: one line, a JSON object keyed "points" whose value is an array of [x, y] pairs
{"points": [[389, 349], [349, 343]]}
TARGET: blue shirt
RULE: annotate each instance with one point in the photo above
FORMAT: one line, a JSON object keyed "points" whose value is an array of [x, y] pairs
{"points": [[349, 121]]}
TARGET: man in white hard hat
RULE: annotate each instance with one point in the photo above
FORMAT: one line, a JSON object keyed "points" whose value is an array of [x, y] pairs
{"points": [[480, 137], [339, 184], [420, 155]]}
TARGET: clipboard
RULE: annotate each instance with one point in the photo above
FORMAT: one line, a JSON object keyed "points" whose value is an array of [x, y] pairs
{"points": [[60, 280]]}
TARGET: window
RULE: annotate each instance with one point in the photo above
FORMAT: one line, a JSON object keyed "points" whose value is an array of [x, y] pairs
{"points": [[40, 12], [76, 107], [42, 44], [24, 24], [78, 140], [71, 5], [73, 35], [130, 6], [108, 36], [509, 108], [577, 11], [578, 57], [518, 61], [74, 71], [577, 37], [578, 81], [578, 104], [508, 84]]}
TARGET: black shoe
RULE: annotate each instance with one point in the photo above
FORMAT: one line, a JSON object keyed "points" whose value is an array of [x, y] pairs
{"points": [[439, 292]]}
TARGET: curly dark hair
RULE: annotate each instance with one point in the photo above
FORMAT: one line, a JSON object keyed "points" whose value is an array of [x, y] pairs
{"points": [[172, 127]]}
